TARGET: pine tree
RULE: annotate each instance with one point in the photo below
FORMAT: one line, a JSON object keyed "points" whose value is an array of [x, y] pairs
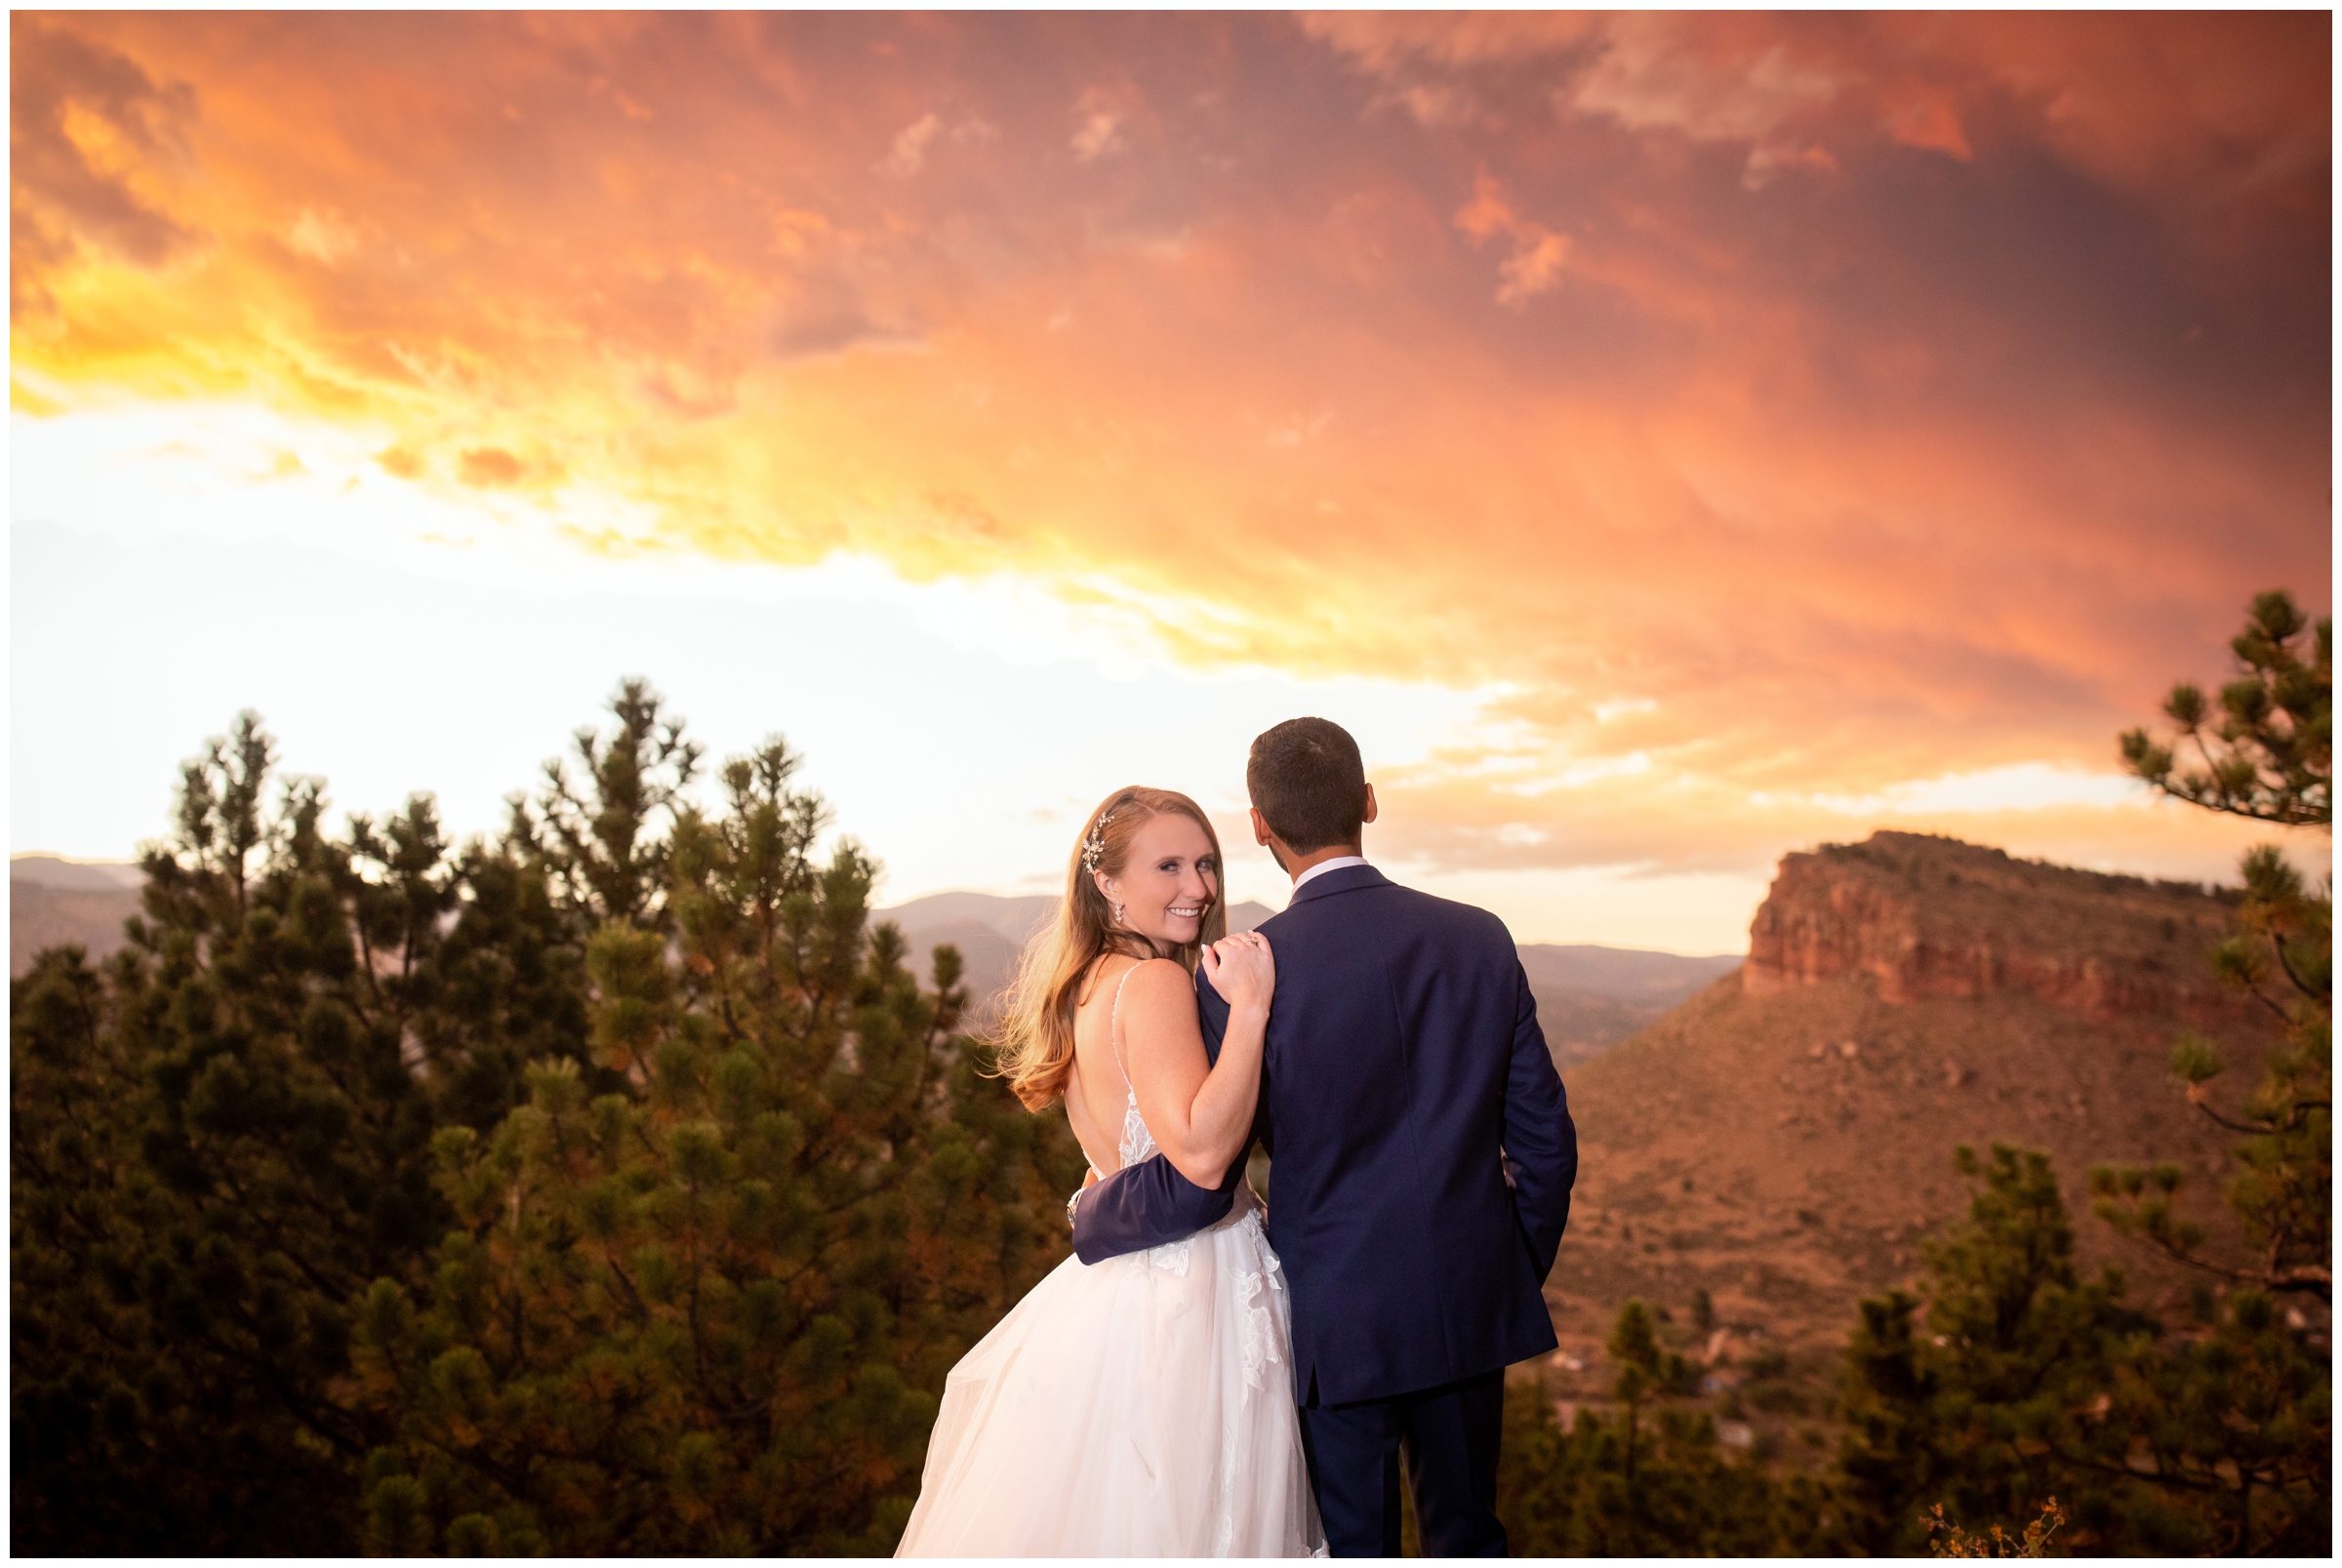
{"points": [[711, 1308], [215, 1144], [2235, 1421], [755, 1190], [598, 834], [2012, 1381], [1650, 1481], [2283, 1196], [1984, 1397], [2270, 753]]}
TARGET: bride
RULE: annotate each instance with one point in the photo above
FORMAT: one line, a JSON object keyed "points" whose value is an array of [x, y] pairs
{"points": [[1141, 1407]]}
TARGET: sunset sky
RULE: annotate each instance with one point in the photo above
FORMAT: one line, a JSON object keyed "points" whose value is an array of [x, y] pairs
{"points": [[1665, 441]]}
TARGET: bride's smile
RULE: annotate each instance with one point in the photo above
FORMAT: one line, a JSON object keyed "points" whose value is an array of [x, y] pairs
{"points": [[1169, 882]]}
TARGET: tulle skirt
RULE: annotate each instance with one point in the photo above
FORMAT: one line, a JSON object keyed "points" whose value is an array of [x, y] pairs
{"points": [[1140, 1408]]}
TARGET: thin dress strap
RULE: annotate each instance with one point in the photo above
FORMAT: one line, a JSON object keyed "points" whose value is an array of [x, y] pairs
{"points": [[1113, 1032]]}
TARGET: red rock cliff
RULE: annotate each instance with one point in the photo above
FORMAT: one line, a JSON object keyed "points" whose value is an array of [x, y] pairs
{"points": [[1932, 917]]}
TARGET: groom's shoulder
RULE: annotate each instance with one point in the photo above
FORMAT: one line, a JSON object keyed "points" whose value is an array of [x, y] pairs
{"points": [[1463, 918], [1386, 905]]}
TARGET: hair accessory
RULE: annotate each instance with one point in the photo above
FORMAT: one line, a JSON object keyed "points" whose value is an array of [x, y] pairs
{"points": [[1093, 847]]}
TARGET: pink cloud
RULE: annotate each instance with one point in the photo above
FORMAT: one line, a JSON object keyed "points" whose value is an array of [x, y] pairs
{"points": [[1854, 399]]}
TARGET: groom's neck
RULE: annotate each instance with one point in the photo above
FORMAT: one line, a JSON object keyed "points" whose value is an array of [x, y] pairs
{"points": [[1295, 862]]}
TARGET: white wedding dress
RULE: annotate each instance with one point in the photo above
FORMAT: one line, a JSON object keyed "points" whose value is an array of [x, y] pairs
{"points": [[1139, 1408]]}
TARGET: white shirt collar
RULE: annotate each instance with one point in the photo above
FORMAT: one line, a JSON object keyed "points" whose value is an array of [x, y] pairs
{"points": [[1338, 862]]}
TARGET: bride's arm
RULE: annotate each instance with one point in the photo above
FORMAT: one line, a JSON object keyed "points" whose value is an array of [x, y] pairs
{"points": [[1200, 1113]]}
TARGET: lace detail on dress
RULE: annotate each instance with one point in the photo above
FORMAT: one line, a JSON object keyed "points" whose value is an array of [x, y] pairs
{"points": [[1137, 1141], [1256, 1298], [1260, 1345]]}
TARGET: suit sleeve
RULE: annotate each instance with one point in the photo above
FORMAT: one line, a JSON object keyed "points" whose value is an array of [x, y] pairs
{"points": [[1145, 1206], [1211, 1016], [1151, 1203], [1541, 1141]]}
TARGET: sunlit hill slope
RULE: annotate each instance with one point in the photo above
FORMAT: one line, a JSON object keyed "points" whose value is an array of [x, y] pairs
{"points": [[1784, 1139]]}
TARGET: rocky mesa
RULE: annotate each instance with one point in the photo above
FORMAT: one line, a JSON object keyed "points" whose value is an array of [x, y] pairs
{"points": [[1933, 917]]}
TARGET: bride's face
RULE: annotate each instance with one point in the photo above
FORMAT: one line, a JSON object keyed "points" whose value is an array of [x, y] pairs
{"points": [[1168, 882]]}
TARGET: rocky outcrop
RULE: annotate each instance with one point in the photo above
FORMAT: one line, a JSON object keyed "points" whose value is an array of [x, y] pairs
{"points": [[1934, 917], [1782, 1146]]}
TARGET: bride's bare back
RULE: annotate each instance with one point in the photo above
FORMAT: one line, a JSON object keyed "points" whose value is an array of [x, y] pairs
{"points": [[1099, 1094]]}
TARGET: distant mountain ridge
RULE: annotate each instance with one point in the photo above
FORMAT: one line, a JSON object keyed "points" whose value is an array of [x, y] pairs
{"points": [[1589, 998], [991, 932], [53, 901], [1622, 974], [76, 876]]}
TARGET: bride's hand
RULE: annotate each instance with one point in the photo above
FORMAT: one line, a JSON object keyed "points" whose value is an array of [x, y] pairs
{"points": [[1242, 970]]}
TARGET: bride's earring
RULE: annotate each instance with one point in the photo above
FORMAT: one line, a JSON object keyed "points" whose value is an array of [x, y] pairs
{"points": [[1117, 914]]}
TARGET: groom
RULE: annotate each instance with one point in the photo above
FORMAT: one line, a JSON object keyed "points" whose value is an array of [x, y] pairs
{"points": [[1423, 1160]]}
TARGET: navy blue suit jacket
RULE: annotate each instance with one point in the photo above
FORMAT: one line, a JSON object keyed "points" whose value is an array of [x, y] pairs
{"points": [[1404, 1053]]}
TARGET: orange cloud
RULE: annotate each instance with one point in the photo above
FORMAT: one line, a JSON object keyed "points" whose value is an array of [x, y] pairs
{"points": [[1538, 253], [1805, 404], [487, 466]]}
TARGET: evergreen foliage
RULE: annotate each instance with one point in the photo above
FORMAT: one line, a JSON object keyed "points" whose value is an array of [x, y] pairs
{"points": [[2284, 954], [2270, 753], [2235, 1422], [596, 836], [2016, 1383], [606, 1188], [712, 1311], [1987, 1397], [1648, 1481], [217, 1142]]}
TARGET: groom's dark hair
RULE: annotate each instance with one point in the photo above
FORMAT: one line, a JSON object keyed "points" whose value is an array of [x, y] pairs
{"points": [[1308, 783]]}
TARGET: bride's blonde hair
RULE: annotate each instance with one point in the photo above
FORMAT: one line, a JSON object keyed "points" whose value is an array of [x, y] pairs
{"points": [[1035, 1037]]}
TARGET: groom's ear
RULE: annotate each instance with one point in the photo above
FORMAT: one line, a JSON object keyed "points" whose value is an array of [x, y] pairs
{"points": [[1365, 816], [1267, 840]]}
